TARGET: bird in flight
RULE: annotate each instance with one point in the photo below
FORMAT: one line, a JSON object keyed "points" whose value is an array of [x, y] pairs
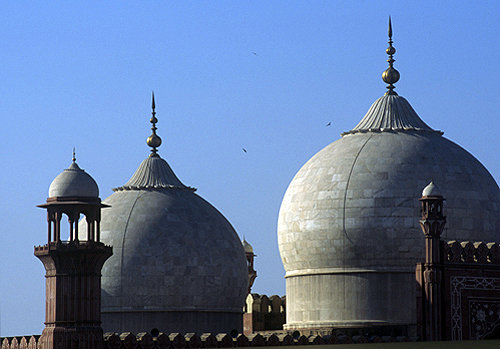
{"points": [[329, 123], [254, 53], [244, 150]]}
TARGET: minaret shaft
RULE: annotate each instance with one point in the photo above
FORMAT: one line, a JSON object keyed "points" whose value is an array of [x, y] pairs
{"points": [[432, 224], [73, 294]]}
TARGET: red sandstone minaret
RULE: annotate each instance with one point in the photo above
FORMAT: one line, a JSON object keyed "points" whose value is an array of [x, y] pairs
{"points": [[432, 224], [73, 267], [252, 274]]}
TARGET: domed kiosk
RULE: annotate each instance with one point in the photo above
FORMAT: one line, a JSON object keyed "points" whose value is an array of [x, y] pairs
{"points": [[348, 230], [178, 264]]}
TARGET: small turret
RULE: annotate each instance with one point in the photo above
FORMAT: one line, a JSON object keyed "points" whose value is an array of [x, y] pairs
{"points": [[433, 219], [252, 274], [432, 224]]}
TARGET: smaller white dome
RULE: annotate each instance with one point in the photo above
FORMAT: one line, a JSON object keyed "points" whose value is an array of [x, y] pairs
{"points": [[247, 247], [431, 190], [73, 181]]}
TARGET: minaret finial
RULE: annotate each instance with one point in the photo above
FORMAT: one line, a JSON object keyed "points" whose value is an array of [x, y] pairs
{"points": [[154, 141], [390, 28], [390, 75], [74, 155]]}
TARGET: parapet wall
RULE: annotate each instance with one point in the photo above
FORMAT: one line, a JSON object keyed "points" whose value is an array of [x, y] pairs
{"points": [[257, 303], [263, 313], [458, 298], [466, 252], [129, 340]]}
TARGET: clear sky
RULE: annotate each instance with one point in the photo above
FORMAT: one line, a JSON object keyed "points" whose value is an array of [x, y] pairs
{"points": [[266, 76]]}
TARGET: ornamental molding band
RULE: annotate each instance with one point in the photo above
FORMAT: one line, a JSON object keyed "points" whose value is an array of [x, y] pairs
{"points": [[144, 340], [484, 312], [470, 293], [458, 295], [468, 296]]}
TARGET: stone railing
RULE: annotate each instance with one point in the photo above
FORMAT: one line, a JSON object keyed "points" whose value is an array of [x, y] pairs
{"points": [[466, 252], [23, 342], [263, 313], [263, 304], [129, 340]]}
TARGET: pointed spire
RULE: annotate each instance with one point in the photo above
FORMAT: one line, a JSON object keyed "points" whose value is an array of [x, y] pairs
{"points": [[154, 141], [390, 29], [73, 165], [390, 75]]}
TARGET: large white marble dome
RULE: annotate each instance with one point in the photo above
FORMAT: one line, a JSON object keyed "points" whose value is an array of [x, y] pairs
{"points": [[348, 229], [177, 265]]}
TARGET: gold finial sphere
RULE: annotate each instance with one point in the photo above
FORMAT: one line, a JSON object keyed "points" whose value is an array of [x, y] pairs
{"points": [[154, 141], [390, 75]]}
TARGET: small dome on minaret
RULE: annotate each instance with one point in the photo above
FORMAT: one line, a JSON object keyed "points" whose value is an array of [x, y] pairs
{"points": [[73, 182], [247, 247], [431, 190]]}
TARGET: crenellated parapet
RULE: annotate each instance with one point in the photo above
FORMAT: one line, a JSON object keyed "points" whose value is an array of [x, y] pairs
{"points": [[468, 274], [129, 340], [467, 252], [458, 282], [21, 342], [263, 313], [257, 303]]}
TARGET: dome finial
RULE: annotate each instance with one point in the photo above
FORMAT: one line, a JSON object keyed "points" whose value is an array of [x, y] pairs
{"points": [[154, 141], [74, 155], [390, 29], [390, 75]]}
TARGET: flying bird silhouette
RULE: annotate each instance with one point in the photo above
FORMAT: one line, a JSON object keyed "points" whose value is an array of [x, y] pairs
{"points": [[329, 123], [244, 150], [255, 53]]}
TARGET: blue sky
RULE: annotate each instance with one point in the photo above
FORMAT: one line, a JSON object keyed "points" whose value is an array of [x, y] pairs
{"points": [[81, 74]]}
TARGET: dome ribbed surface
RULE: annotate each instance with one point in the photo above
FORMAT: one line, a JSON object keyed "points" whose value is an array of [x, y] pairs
{"points": [[153, 173], [391, 113]]}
